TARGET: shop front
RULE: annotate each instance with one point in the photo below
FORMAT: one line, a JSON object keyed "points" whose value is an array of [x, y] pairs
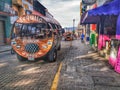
{"points": [[109, 29]]}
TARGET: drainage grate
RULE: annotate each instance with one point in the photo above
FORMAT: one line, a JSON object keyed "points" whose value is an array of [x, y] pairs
{"points": [[105, 81]]}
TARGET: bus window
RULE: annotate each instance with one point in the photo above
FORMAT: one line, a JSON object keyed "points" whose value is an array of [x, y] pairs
{"points": [[53, 25], [29, 30], [56, 27], [23, 31], [48, 26], [16, 30]]}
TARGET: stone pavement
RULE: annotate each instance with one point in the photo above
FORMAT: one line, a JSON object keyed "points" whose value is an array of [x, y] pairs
{"points": [[26, 75], [4, 48], [85, 70]]}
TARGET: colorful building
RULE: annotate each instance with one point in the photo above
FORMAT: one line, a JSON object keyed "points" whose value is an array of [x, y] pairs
{"points": [[5, 25], [92, 23], [22, 6], [108, 26]]}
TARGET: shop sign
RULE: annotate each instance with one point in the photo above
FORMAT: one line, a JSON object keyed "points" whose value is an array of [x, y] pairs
{"points": [[89, 2]]}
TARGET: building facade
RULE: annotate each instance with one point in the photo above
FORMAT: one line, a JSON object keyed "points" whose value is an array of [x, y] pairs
{"points": [[5, 26], [92, 29]]}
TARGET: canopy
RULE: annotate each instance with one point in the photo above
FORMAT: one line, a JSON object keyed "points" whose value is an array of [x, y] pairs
{"points": [[88, 20], [112, 8], [92, 16]]}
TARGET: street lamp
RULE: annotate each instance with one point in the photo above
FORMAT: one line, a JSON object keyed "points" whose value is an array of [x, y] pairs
{"points": [[73, 25]]}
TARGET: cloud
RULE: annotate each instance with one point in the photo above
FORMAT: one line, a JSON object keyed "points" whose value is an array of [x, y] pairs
{"points": [[64, 10]]}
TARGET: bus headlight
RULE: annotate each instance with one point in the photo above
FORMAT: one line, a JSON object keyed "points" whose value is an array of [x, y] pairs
{"points": [[44, 46], [49, 43], [18, 46], [13, 42]]}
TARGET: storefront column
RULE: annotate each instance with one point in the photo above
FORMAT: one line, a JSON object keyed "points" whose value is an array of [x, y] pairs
{"points": [[118, 28], [101, 33]]}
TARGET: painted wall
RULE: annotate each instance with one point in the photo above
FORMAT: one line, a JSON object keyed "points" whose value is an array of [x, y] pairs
{"points": [[6, 20]]}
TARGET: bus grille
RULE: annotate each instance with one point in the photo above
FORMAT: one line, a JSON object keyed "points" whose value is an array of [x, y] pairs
{"points": [[31, 48]]}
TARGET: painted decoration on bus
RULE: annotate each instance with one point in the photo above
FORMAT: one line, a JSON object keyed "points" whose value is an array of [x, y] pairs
{"points": [[29, 18]]}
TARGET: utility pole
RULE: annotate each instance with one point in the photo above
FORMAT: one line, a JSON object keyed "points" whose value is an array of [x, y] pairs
{"points": [[73, 32], [73, 25]]}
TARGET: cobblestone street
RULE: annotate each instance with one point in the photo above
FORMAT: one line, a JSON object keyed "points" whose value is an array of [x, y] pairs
{"points": [[82, 69], [85, 70], [59, 44], [15, 75]]}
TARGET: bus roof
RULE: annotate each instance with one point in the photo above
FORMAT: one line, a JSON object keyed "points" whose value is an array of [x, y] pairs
{"points": [[36, 19]]}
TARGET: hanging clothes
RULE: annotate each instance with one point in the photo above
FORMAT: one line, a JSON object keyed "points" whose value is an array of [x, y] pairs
{"points": [[92, 39]]}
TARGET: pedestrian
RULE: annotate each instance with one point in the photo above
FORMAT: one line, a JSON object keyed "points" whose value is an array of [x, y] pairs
{"points": [[82, 37]]}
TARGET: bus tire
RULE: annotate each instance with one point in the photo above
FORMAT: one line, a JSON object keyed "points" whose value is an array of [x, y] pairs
{"points": [[59, 48], [52, 56], [20, 58], [12, 51]]}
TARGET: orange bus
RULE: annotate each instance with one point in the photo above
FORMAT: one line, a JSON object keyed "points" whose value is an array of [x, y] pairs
{"points": [[34, 37]]}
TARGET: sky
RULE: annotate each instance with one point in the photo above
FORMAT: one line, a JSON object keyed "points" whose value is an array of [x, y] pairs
{"points": [[64, 11]]}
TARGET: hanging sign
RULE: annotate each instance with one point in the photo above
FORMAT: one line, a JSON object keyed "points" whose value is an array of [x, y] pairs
{"points": [[89, 2]]}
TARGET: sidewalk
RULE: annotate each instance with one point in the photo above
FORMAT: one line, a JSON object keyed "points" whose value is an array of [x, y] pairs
{"points": [[87, 71], [5, 48]]}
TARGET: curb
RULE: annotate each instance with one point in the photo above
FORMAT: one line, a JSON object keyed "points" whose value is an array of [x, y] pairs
{"points": [[5, 51]]}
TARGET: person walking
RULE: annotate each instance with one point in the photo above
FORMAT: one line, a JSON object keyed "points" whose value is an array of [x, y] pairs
{"points": [[82, 37]]}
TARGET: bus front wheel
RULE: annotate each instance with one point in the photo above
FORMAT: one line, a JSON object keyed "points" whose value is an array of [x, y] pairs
{"points": [[52, 56], [59, 48]]}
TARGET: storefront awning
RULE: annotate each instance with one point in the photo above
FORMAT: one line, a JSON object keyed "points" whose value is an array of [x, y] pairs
{"points": [[112, 8], [88, 20], [93, 16]]}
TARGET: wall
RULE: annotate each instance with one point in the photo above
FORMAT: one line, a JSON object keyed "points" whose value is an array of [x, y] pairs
{"points": [[6, 19]]}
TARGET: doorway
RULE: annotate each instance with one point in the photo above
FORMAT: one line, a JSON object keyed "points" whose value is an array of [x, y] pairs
{"points": [[2, 33]]}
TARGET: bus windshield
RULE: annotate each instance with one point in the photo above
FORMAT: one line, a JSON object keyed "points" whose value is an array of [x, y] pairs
{"points": [[34, 30]]}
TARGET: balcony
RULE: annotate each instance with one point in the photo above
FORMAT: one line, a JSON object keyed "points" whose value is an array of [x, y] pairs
{"points": [[17, 2]]}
